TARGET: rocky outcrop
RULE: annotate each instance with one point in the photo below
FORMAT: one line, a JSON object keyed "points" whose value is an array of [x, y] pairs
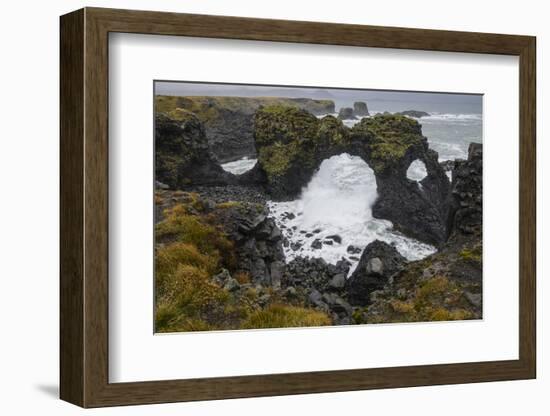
{"points": [[360, 109], [291, 144], [320, 285], [229, 121], [446, 285], [467, 194], [286, 139], [389, 144], [315, 274], [258, 241], [378, 264], [413, 113], [346, 113], [182, 155]]}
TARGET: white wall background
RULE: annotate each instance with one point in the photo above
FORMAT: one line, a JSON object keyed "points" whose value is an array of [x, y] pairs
{"points": [[29, 211]]}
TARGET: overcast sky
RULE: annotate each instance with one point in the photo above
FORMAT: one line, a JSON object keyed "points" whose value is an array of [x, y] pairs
{"points": [[341, 97]]}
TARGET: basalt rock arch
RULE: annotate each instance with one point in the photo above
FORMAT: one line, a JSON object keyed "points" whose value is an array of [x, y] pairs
{"points": [[292, 143]]}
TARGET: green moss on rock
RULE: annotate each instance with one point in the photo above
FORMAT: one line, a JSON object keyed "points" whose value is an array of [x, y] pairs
{"points": [[387, 138], [472, 254], [332, 131], [284, 124]]}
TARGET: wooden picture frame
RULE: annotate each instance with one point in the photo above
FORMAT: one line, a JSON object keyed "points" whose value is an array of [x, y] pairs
{"points": [[84, 207]]}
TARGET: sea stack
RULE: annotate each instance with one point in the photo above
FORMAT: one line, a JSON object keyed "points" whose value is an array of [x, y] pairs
{"points": [[360, 108], [346, 113]]}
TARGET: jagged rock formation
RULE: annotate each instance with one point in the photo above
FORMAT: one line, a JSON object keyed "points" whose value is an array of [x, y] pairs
{"points": [[467, 194], [182, 156], [378, 263], [320, 285], [229, 121], [258, 241], [448, 284], [419, 210], [291, 144]]}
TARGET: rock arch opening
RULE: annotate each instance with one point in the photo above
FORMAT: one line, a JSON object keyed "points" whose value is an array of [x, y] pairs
{"points": [[332, 218], [417, 171]]}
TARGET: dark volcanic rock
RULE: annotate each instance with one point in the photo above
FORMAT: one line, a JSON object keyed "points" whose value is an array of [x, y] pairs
{"points": [[292, 144], [312, 273], [392, 144], [346, 113], [414, 113], [229, 121], [218, 194], [335, 237], [284, 139], [360, 108], [182, 157], [446, 285], [447, 165], [258, 242], [317, 244], [353, 250], [467, 199], [378, 263]]}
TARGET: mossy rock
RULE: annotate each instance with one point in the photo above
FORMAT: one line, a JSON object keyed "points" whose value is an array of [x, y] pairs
{"points": [[182, 155], [287, 141], [387, 139], [332, 131], [283, 124]]}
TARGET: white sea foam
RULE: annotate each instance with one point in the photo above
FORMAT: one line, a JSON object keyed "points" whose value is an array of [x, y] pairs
{"points": [[417, 171], [240, 166], [452, 117], [338, 202]]}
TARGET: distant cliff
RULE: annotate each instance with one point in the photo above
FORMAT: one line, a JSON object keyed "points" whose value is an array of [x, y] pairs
{"points": [[229, 121]]}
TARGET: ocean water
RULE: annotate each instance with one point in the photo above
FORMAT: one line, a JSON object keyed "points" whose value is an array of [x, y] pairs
{"points": [[339, 198], [448, 134], [335, 208], [239, 166]]}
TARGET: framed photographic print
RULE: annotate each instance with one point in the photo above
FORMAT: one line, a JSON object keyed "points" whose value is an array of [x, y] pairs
{"points": [[256, 207]]}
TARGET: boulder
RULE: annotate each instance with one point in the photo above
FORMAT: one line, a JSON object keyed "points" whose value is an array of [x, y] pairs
{"points": [[353, 249], [313, 273], [257, 241], [338, 281], [335, 237], [316, 299], [378, 263], [316, 244]]}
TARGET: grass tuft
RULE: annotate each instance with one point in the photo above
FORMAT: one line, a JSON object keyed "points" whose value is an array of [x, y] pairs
{"points": [[281, 316]]}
